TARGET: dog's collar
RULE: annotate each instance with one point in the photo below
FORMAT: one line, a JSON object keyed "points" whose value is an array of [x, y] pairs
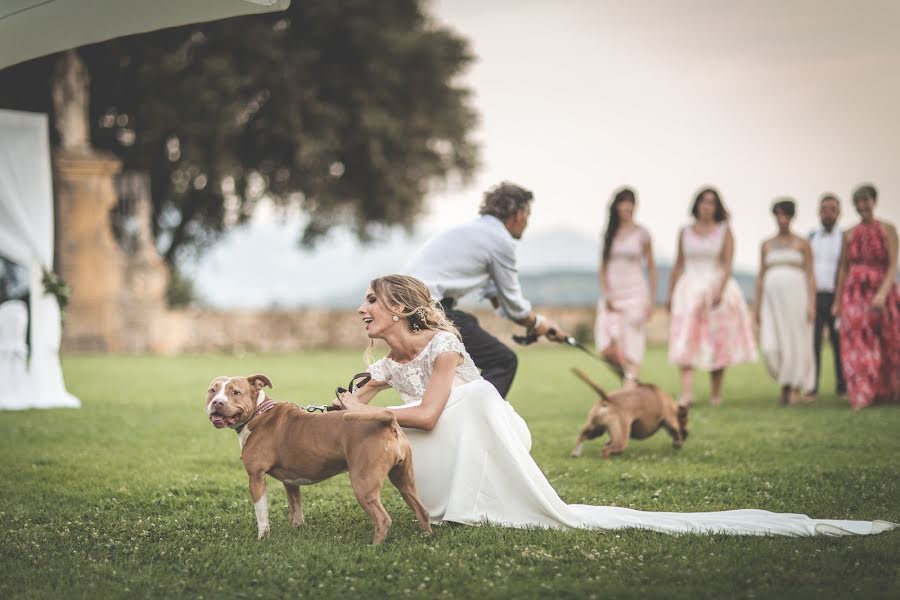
{"points": [[263, 406]]}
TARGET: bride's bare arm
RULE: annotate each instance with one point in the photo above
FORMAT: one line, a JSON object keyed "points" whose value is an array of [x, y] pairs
{"points": [[370, 390], [426, 414], [437, 392]]}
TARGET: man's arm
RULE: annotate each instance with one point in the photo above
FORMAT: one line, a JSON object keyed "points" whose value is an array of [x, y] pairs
{"points": [[509, 299]]}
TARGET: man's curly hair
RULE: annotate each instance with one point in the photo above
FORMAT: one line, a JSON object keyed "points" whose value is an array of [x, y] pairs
{"points": [[504, 200]]}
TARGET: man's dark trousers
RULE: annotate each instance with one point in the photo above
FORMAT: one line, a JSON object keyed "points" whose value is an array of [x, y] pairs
{"points": [[824, 302], [497, 362]]}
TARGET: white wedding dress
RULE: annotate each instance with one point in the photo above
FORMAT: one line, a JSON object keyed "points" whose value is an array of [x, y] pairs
{"points": [[474, 467]]}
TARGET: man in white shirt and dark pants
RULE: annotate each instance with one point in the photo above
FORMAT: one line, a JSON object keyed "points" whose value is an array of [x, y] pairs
{"points": [[481, 256], [826, 250]]}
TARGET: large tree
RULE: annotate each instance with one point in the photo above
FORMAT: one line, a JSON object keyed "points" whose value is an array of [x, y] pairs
{"points": [[354, 109]]}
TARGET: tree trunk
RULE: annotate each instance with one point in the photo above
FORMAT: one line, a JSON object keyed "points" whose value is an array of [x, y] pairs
{"points": [[71, 103]]}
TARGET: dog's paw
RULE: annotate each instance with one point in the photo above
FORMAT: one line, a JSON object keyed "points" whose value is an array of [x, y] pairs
{"points": [[263, 533]]}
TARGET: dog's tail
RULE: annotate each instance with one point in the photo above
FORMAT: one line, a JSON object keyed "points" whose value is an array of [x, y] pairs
{"points": [[582, 376], [385, 417]]}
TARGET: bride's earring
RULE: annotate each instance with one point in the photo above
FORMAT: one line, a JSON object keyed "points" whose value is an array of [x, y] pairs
{"points": [[396, 318]]}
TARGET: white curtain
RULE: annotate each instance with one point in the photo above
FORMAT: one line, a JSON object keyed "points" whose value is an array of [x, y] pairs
{"points": [[26, 237]]}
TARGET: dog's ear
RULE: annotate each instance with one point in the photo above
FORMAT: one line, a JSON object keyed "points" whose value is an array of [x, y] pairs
{"points": [[259, 381]]}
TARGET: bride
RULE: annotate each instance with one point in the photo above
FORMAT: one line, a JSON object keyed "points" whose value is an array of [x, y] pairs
{"points": [[471, 449]]}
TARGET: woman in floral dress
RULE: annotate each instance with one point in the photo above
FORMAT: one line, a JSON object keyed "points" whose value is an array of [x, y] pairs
{"points": [[710, 325], [867, 302]]}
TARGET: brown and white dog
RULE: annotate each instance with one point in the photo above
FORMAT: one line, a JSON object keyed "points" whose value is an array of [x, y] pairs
{"points": [[300, 448], [637, 413]]}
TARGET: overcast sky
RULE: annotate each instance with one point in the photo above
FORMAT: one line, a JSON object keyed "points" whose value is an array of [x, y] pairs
{"points": [[760, 99]]}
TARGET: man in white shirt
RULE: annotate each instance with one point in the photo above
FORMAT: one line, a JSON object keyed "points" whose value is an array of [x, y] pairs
{"points": [[481, 256], [826, 250]]}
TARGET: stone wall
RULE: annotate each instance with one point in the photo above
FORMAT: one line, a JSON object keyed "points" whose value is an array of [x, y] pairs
{"points": [[237, 331]]}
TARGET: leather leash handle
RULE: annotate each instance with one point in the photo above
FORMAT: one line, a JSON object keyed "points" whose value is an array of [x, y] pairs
{"points": [[531, 337], [356, 382]]}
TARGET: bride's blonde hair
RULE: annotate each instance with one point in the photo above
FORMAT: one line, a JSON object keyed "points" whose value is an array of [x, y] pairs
{"points": [[415, 302]]}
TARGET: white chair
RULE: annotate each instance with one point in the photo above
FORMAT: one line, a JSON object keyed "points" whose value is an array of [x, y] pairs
{"points": [[14, 392]]}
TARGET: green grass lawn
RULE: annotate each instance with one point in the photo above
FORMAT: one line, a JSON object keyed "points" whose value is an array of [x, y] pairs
{"points": [[137, 495]]}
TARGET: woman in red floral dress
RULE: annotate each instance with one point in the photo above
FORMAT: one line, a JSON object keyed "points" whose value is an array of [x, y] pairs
{"points": [[867, 302]]}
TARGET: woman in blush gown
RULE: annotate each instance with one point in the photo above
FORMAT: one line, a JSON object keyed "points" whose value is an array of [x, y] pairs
{"points": [[471, 449], [867, 302], [710, 326], [626, 303], [785, 307]]}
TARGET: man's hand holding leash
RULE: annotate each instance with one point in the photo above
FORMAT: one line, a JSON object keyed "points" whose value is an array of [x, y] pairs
{"points": [[542, 326]]}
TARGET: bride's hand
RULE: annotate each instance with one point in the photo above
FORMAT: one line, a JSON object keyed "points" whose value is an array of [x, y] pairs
{"points": [[347, 401]]}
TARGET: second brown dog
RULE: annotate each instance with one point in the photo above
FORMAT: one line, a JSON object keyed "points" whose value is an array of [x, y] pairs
{"points": [[636, 413]]}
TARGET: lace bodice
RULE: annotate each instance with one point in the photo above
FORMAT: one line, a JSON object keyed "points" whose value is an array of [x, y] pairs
{"points": [[410, 379]]}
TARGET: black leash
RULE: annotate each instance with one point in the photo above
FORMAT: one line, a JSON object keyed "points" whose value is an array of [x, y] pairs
{"points": [[356, 382], [531, 337]]}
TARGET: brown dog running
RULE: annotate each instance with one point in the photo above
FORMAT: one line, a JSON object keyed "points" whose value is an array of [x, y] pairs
{"points": [[637, 413], [300, 448]]}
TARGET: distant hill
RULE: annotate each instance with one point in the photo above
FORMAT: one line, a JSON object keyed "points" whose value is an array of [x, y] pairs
{"points": [[579, 287], [556, 267], [567, 287]]}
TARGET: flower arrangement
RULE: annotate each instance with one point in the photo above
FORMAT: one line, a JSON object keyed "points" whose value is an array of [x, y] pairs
{"points": [[56, 285]]}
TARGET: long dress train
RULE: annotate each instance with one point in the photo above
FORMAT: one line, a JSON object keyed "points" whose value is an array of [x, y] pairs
{"points": [[474, 467]]}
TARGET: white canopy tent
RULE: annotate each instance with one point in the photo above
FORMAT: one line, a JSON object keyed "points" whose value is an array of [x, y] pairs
{"points": [[26, 237], [32, 28], [29, 29]]}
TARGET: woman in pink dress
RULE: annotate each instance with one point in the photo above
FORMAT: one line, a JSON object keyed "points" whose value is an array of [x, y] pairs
{"points": [[626, 303], [710, 325], [867, 303]]}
